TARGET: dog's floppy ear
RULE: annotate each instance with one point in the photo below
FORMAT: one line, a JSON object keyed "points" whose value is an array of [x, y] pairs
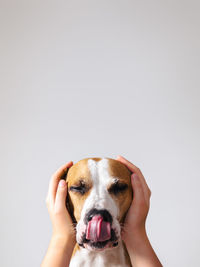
{"points": [[69, 205]]}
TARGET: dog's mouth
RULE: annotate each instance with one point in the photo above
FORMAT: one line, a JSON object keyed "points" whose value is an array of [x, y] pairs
{"points": [[99, 245], [99, 234]]}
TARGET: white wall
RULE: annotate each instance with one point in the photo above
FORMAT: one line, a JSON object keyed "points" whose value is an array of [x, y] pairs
{"points": [[100, 78]]}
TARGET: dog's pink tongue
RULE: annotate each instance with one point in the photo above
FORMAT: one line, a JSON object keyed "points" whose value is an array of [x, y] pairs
{"points": [[98, 229]]}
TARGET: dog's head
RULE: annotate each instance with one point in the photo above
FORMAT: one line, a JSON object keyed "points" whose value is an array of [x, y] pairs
{"points": [[99, 195]]}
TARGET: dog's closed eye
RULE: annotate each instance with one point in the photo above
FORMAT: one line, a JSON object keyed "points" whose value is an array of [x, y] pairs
{"points": [[81, 188], [78, 189], [117, 188]]}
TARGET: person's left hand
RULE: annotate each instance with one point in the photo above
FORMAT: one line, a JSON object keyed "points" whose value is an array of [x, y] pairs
{"points": [[136, 216]]}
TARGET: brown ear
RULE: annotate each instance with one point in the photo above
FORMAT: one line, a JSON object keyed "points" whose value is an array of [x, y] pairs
{"points": [[69, 204]]}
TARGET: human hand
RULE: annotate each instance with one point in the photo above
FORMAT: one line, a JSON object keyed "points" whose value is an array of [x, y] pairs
{"points": [[134, 223], [56, 203]]}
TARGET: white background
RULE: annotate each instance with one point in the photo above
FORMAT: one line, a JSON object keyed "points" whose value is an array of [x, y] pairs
{"points": [[97, 79]]}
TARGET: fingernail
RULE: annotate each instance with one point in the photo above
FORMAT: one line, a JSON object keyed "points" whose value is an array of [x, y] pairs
{"points": [[62, 183]]}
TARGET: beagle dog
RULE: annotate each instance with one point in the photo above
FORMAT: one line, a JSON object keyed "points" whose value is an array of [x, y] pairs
{"points": [[99, 196]]}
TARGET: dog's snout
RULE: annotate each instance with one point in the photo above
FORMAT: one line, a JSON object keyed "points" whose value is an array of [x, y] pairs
{"points": [[103, 212]]}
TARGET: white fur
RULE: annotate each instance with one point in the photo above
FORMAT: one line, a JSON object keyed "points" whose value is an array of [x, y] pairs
{"points": [[99, 198], [113, 257]]}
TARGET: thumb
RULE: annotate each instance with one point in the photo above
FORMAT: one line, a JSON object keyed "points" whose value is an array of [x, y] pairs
{"points": [[61, 196]]}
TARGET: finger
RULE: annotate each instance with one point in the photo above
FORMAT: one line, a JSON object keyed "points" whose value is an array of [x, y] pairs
{"points": [[129, 165], [61, 196], [139, 206], [138, 192], [136, 170], [55, 179]]}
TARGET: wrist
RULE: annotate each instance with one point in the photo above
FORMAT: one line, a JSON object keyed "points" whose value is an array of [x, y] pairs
{"points": [[140, 250], [63, 242], [135, 237], [64, 234]]}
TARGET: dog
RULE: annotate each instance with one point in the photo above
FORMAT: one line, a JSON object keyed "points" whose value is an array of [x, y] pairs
{"points": [[99, 196]]}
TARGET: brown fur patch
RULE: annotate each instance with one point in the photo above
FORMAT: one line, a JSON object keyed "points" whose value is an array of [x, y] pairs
{"points": [[78, 172], [123, 199], [76, 248]]}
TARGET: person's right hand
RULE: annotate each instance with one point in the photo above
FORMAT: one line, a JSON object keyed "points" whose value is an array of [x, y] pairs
{"points": [[56, 203]]}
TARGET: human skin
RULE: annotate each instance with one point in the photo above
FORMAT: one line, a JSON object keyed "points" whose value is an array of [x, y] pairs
{"points": [[63, 236], [133, 233]]}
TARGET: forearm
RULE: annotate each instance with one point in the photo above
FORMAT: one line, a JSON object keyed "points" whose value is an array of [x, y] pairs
{"points": [[140, 250], [59, 253]]}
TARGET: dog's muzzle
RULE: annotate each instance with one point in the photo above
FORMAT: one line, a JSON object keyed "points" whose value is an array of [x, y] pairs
{"points": [[99, 230]]}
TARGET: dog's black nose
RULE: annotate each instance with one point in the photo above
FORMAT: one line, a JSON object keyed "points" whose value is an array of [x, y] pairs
{"points": [[104, 213]]}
